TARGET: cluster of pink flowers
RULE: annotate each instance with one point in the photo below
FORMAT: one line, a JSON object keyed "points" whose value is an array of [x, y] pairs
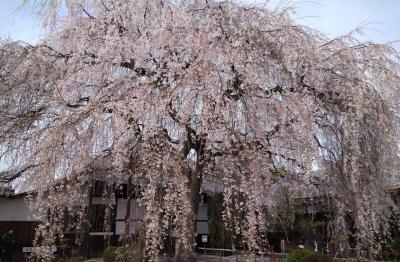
{"points": [[169, 94]]}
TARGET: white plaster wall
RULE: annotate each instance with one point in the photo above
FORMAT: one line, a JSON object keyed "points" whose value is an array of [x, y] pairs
{"points": [[137, 211], [202, 223], [14, 209], [202, 212], [136, 216]]}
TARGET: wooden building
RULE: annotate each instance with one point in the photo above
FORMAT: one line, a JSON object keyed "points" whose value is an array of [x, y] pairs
{"points": [[15, 215], [97, 235]]}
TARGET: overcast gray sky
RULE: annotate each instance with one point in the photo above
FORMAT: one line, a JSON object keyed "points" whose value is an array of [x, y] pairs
{"points": [[333, 17]]}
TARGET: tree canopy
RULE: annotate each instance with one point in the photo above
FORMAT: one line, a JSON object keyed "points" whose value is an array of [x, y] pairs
{"points": [[181, 96]]}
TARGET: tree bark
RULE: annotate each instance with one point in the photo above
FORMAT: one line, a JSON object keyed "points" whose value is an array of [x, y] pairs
{"points": [[127, 238], [194, 177]]}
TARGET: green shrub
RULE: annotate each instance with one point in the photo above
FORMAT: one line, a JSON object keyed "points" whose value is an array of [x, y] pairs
{"points": [[128, 254], [122, 254], [298, 254], [301, 228], [395, 245], [362, 259], [110, 254], [318, 224], [317, 258]]}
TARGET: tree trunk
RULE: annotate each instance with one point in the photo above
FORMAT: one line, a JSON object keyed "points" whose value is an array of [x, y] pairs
{"points": [[195, 185], [194, 195], [127, 238], [194, 177]]}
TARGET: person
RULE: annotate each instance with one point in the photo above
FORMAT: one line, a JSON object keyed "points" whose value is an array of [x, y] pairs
{"points": [[7, 241]]}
